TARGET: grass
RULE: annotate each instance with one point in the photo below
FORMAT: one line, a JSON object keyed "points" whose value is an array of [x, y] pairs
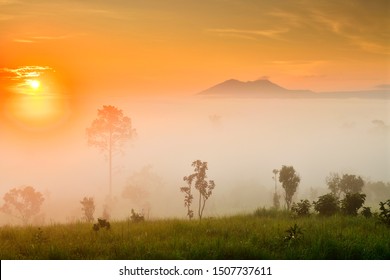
{"points": [[258, 236]]}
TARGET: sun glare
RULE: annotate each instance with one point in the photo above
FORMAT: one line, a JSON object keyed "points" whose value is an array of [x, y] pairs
{"points": [[34, 84], [36, 106]]}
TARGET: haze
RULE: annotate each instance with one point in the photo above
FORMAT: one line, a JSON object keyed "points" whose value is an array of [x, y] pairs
{"points": [[150, 59]]}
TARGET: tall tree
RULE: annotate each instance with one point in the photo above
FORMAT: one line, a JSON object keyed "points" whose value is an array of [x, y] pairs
{"points": [[205, 188], [109, 132], [22, 203], [290, 181]]}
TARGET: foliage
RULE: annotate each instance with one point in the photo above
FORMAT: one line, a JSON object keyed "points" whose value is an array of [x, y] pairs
{"points": [[102, 223], [327, 204], [109, 132], [294, 233], [290, 181], [205, 188], [384, 214], [136, 217], [366, 212], [22, 203], [352, 202], [88, 208], [351, 184], [301, 208], [347, 183]]}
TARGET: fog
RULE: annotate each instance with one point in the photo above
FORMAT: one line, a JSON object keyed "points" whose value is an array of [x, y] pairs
{"points": [[242, 140]]}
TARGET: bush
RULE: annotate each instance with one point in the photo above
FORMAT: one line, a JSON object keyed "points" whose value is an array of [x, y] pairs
{"points": [[301, 208], [384, 215], [366, 212], [352, 203], [327, 205], [136, 217]]}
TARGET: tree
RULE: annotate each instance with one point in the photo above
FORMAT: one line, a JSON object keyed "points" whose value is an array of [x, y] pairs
{"points": [[351, 184], [204, 188], [333, 182], [352, 202], [347, 183], [109, 132], [22, 203], [327, 205], [276, 198], [290, 181], [301, 208], [88, 208]]}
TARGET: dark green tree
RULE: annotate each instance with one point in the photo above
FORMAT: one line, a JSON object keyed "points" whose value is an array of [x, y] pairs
{"points": [[109, 132], [205, 188], [327, 205], [22, 203], [301, 208], [352, 202], [290, 181]]}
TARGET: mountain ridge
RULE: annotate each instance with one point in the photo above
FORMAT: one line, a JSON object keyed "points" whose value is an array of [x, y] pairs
{"points": [[264, 88]]}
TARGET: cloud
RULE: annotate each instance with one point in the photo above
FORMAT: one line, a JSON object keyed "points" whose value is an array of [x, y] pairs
{"points": [[24, 72], [250, 34], [34, 39]]}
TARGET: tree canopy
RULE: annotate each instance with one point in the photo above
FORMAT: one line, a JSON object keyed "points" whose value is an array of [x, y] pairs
{"points": [[290, 181]]}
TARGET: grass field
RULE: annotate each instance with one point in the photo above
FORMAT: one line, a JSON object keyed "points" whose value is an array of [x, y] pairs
{"points": [[259, 236]]}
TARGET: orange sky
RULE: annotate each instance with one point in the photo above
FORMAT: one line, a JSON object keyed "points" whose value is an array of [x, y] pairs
{"points": [[182, 47]]}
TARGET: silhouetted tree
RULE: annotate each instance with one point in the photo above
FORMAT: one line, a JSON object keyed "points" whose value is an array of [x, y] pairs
{"points": [[327, 204], [22, 203], [204, 187], [88, 208], [301, 208], [290, 181], [109, 132], [352, 202]]}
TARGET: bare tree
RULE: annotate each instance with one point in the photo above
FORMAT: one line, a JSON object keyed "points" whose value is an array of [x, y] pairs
{"points": [[204, 187], [22, 203], [109, 132]]}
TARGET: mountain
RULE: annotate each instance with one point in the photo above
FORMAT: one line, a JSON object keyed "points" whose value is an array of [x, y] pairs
{"points": [[257, 88], [264, 88]]}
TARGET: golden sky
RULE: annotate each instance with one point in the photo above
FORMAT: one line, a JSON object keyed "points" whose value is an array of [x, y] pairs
{"points": [[182, 47]]}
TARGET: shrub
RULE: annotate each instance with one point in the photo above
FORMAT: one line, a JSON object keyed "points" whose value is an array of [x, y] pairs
{"points": [[136, 217], [327, 205], [301, 208], [352, 203], [384, 215], [293, 233], [366, 212]]}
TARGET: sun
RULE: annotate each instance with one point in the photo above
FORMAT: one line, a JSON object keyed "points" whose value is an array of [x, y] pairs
{"points": [[34, 84]]}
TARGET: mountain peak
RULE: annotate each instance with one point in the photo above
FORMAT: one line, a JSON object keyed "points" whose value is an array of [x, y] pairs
{"points": [[233, 87]]}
